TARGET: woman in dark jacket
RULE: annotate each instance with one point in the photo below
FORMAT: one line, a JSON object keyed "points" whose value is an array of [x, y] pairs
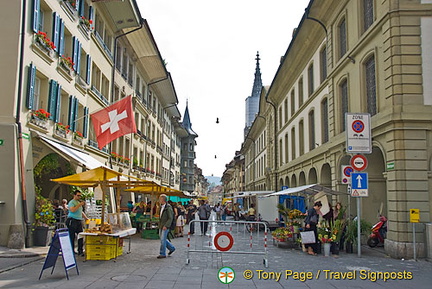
{"points": [[311, 222]]}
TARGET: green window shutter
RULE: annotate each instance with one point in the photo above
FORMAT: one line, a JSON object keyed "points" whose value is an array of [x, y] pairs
{"points": [[86, 119], [35, 18], [58, 103], [71, 108], [61, 44], [52, 96], [75, 116], [56, 30], [31, 86], [88, 75]]}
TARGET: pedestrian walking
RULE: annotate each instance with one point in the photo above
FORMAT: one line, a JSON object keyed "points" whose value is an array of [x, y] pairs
{"points": [[204, 212], [166, 219]]}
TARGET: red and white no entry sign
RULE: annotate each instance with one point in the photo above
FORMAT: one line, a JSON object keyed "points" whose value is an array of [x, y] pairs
{"points": [[223, 241], [358, 162]]}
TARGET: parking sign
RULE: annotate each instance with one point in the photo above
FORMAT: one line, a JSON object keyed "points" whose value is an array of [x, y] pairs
{"points": [[358, 133]]}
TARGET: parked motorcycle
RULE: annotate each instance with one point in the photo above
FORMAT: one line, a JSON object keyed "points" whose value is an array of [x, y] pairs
{"points": [[379, 232]]}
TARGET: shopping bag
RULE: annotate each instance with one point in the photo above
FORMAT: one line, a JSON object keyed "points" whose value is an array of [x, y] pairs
{"points": [[307, 237]]}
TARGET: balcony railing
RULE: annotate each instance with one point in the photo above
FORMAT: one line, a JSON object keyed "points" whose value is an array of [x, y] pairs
{"points": [[105, 47], [97, 92]]}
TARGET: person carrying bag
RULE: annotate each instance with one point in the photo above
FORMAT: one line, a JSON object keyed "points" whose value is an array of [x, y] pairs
{"points": [[311, 222]]}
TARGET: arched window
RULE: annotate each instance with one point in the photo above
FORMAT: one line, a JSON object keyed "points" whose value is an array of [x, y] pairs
{"points": [[293, 146], [301, 137], [342, 38], [310, 79], [323, 63], [368, 14], [324, 121], [343, 91], [370, 76], [311, 130]]}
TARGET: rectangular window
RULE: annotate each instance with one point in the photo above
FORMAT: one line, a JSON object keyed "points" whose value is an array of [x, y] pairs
{"points": [[324, 120], [36, 94], [342, 38], [344, 102], [323, 62], [311, 130], [371, 86], [310, 79], [286, 110], [368, 16], [286, 148]]}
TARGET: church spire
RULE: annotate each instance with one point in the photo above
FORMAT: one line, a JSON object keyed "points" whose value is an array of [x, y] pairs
{"points": [[257, 85], [186, 121]]}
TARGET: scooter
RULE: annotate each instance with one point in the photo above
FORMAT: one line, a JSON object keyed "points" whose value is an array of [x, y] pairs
{"points": [[379, 232]]}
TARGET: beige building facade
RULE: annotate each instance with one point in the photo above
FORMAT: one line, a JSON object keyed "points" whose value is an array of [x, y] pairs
{"points": [[70, 58], [363, 56]]}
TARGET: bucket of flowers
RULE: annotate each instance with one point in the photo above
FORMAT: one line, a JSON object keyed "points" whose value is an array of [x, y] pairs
{"points": [[327, 241], [282, 234]]}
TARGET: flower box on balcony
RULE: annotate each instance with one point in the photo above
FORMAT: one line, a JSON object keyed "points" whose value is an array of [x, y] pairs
{"points": [[42, 46], [61, 130], [41, 123]]}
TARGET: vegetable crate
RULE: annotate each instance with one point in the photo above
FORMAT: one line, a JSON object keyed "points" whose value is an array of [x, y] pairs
{"points": [[150, 234]]}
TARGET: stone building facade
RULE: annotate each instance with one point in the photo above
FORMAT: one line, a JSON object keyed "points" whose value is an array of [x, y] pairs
{"points": [[363, 56]]}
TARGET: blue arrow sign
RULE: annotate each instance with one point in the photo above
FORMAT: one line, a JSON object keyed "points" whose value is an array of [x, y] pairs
{"points": [[359, 181]]}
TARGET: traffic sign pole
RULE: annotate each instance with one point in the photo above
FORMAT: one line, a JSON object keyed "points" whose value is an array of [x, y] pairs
{"points": [[358, 227]]}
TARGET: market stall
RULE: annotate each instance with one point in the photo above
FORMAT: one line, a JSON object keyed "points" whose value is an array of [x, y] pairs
{"points": [[105, 241], [149, 221]]}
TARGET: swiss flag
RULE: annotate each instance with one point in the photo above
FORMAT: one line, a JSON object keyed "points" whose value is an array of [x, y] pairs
{"points": [[114, 121]]}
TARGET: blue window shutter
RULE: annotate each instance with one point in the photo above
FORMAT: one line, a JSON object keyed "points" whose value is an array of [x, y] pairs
{"points": [[91, 14], [61, 45], [75, 114], [35, 20], [71, 108], [52, 95], [31, 86], [80, 7], [86, 118], [88, 75], [55, 35], [78, 64], [74, 51], [58, 104]]}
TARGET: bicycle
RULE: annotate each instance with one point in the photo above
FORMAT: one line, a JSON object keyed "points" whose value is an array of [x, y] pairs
{"points": [[254, 227]]}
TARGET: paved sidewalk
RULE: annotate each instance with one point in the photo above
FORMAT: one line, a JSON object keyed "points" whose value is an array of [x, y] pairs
{"points": [[141, 269]]}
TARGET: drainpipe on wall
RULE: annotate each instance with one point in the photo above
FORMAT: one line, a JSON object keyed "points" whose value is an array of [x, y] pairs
{"points": [[19, 128]]}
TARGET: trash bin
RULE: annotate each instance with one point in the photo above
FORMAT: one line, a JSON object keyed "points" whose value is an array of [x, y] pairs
{"points": [[428, 232]]}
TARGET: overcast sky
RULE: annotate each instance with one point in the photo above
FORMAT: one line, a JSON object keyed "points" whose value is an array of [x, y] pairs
{"points": [[210, 49]]}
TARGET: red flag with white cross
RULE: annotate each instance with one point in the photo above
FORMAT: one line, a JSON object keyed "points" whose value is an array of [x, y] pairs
{"points": [[114, 121]]}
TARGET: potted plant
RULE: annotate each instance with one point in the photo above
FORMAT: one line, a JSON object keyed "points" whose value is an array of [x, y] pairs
{"points": [[351, 233], [44, 220]]}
